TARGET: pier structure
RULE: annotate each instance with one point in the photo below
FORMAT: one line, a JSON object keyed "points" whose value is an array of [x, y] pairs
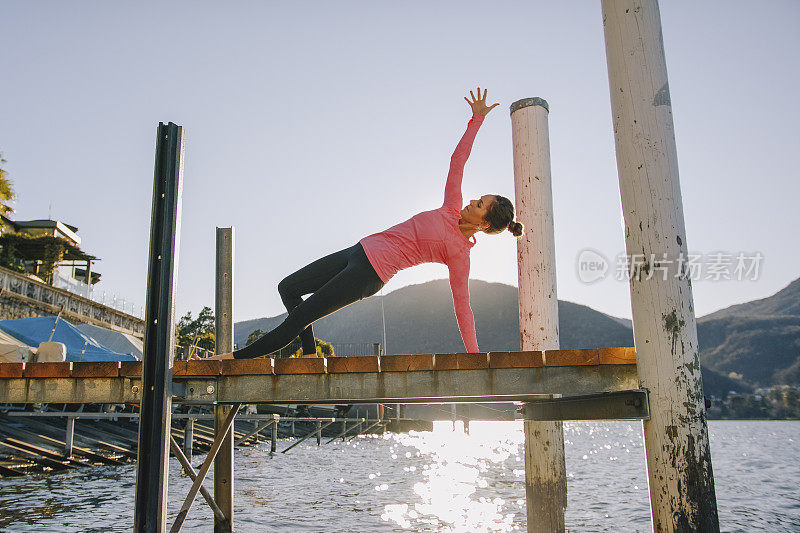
{"points": [[551, 384]]}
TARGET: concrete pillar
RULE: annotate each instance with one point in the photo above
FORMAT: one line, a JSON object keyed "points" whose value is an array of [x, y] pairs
{"points": [[545, 469], [223, 463], [682, 496]]}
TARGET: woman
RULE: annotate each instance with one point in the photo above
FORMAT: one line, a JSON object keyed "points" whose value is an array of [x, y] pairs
{"points": [[444, 235]]}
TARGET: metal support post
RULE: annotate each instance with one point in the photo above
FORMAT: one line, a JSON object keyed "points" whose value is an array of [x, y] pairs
{"points": [[258, 429], [319, 432], [187, 467], [306, 436], [681, 480], [188, 438], [273, 446], [224, 430], [223, 465], [69, 437], [545, 467], [344, 432], [152, 467], [364, 430]]}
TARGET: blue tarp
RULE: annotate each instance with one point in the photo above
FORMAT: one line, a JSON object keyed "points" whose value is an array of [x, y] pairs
{"points": [[33, 331]]}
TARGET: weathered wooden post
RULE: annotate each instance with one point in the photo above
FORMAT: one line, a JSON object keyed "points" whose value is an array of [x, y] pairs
{"points": [[319, 432], [273, 446], [152, 466], [682, 496], [223, 463], [545, 469]]}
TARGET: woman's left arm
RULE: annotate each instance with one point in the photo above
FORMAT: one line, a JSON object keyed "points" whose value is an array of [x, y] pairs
{"points": [[452, 188], [459, 286]]}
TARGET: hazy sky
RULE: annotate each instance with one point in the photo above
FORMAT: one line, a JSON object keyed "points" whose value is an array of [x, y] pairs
{"points": [[310, 125]]}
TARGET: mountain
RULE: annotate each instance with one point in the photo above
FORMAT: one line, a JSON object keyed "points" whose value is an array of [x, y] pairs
{"points": [[420, 319], [783, 303], [752, 344], [760, 340]]}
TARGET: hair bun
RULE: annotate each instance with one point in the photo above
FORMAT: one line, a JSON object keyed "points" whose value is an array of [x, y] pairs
{"points": [[515, 228]]}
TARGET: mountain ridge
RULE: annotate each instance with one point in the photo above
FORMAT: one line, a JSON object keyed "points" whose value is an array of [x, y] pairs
{"points": [[754, 344]]}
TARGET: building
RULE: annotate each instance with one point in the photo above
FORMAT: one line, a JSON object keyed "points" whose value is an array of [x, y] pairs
{"points": [[49, 250]]}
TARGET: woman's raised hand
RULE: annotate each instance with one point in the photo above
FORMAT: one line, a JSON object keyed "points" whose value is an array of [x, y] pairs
{"points": [[478, 104]]}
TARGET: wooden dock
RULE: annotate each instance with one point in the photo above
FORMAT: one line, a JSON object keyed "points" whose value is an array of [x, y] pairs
{"points": [[429, 378]]}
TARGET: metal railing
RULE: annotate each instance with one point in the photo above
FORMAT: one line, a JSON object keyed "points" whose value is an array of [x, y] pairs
{"points": [[29, 291], [349, 349]]}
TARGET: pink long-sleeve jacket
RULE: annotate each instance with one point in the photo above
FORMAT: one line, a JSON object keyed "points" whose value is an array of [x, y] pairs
{"points": [[434, 237]]}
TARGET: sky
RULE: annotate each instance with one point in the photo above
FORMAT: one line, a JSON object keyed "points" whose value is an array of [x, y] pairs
{"points": [[310, 125]]}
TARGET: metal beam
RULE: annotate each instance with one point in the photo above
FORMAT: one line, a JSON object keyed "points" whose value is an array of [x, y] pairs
{"points": [[430, 386], [201, 475], [346, 430], [256, 431], [152, 466], [622, 405], [187, 467], [316, 431], [365, 430]]}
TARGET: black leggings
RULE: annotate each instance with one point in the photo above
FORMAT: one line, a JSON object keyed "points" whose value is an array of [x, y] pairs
{"points": [[334, 281]]}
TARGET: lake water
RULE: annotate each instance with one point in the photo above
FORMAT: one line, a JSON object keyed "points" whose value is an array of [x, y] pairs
{"points": [[441, 481]]}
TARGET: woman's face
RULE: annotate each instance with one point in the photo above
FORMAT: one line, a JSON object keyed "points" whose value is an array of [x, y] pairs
{"points": [[475, 211]]}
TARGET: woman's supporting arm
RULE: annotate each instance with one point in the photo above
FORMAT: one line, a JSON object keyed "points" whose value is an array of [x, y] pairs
{"points": [[452, 189], [459, 286]]}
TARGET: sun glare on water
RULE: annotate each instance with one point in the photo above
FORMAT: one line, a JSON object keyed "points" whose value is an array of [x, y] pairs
{"points": [[453, 465]]}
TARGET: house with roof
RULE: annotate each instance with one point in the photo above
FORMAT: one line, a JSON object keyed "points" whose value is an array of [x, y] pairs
{"points": [[49, 250]]}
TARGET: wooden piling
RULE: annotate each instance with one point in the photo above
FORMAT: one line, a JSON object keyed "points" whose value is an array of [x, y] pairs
{"points": [[223, 464], [681, 481], [545, 469]]}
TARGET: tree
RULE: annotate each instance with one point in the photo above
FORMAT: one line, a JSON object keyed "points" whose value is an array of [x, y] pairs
{"points": [[294, 348], [199, 331], [7, 194], [253, 336]]}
